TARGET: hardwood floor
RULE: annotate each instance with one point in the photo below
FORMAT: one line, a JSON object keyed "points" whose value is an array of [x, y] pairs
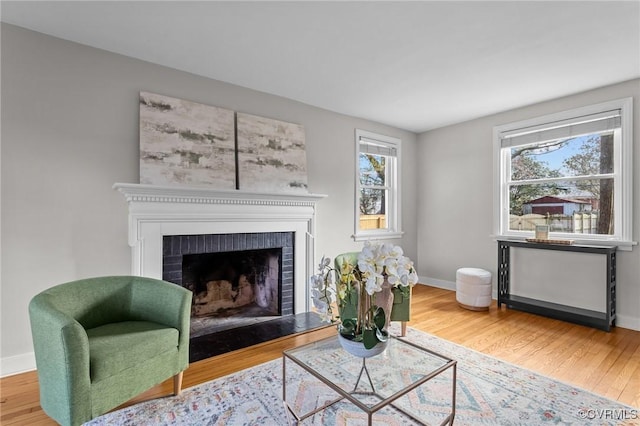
{"points": [[605, 363]]}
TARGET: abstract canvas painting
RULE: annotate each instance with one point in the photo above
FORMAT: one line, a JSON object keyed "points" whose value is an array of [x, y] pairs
{"points": [[186, 143], [271, 155]]}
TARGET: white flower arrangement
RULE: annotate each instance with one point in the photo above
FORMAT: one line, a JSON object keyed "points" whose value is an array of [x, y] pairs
{"points": [[322, 291], [376, 263]]}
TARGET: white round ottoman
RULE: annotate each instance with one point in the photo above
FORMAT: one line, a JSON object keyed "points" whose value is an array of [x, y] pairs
{"points": [[473, 288]]}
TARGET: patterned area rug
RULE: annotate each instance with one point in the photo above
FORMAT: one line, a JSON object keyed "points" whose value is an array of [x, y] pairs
{"points": [[489, 392]]}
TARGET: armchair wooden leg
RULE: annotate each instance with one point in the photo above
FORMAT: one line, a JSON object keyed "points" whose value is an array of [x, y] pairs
{"points": [[403, 328], [177, 383]]}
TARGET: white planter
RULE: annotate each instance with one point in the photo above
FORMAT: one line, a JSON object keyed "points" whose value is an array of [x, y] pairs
{"points": [[358, 349]]}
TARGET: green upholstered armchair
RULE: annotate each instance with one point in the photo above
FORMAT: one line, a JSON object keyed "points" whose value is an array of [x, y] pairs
{"points": [[401, 304], [101, 341]]}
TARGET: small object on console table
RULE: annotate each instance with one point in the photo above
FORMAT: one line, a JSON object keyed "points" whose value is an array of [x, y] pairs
{"points": [[547, 241], [542, 232]]}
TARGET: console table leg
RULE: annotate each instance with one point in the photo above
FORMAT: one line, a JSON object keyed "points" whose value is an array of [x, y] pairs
{"points": [[503, 272]]}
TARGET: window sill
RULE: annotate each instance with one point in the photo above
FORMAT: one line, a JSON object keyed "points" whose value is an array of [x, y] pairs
{"points": [[380, 235]]}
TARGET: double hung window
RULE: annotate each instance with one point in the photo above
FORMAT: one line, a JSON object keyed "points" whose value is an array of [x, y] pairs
{"points": [[377, 183], [570, 171]]}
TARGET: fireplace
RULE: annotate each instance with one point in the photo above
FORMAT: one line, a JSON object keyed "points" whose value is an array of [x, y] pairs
{"points": [[236, 279], [207, 221], [242, 283]]}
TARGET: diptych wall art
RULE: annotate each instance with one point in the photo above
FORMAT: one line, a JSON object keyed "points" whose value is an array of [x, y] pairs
{"points": [[183, 142], [271, 155], [187, 143]]}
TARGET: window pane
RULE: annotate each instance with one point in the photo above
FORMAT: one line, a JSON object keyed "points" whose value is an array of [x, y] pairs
{"points": [[373, 208], [372, 201], [581, 156], [572, 206], [372, 169]]}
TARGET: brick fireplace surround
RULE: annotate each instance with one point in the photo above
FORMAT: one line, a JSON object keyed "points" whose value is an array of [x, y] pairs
{"points": [[159, 211]]}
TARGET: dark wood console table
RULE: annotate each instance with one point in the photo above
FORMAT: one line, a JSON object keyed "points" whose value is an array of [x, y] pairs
{"points": [[600, 320]]}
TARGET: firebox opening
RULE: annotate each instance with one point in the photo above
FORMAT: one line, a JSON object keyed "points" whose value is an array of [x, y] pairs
{"points": [[231, 289]]}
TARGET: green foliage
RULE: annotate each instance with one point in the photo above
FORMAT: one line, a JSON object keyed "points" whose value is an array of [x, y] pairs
{"points": [[379, 318], [525, 167], [349, 326], [370, 336]]}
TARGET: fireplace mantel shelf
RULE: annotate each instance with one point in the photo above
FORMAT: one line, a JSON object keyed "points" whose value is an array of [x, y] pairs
{"points": [[198, 195]]}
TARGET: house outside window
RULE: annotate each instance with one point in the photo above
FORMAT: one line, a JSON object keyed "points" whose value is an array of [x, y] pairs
{"points": [[571, 171], [377, 203]]}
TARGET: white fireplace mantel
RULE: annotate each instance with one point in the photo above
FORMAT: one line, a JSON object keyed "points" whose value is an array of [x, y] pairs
{"points": [[156, 211]]}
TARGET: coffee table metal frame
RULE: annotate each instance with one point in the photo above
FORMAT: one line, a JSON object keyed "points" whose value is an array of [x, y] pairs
{"points": [[351, 395]]}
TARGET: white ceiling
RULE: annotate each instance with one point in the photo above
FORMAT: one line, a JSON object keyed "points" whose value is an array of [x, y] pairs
{"points": [[414, 65]]}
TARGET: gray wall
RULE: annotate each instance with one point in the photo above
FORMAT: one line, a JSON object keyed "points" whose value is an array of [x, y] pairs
{"points": [[70, 131], [455, 197]]}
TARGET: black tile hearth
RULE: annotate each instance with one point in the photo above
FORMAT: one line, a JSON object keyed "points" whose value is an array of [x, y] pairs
{"points": [[203, 347]]}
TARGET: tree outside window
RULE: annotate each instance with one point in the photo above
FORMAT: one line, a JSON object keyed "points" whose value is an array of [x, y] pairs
{"points": [[584, 164]]}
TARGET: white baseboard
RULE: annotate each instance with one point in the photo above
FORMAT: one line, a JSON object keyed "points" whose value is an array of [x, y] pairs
{"points": [[17, 364], [626, 321], [434, 282]]}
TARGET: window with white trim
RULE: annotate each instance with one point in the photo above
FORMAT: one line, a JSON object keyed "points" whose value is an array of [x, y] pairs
{"points": [[377, 207], [571, 171]]}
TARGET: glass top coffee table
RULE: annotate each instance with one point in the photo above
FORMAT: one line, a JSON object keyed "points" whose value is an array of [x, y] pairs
{"points": [[321, 378]]}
